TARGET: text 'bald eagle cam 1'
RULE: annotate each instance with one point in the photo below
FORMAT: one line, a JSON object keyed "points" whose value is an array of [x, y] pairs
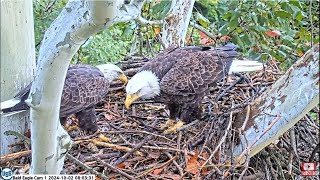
{"points": [[84, 87], [181, 77]]}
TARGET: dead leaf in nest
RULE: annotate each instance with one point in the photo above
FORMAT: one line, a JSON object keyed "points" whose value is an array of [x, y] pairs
{"points": [[118, 93], [172, 176], [92, 147], [123, 165], [205, 155], [103, 138], [130, 124], [24, 169], [159, 170], [112, 178], [97, 178], [192, 164], [153, 155], [108, 116]]}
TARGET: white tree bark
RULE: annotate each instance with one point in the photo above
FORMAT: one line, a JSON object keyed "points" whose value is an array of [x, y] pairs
{"points": [[175, 26], [77, 22], [281, 106], [17, 62]]}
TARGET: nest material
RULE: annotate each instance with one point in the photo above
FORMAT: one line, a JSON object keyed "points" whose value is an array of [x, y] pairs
{"points": [[131, 144]]}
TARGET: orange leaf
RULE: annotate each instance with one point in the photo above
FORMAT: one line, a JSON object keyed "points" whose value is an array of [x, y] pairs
{"points": [[225, 38], [202, 35], [97, 178], [193, 165], [300, 54], [123, 165], [273, 33], [158, 171], [203, 41], [156, 30], [112, 178]]}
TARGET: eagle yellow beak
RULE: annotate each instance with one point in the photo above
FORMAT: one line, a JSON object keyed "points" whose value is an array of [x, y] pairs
{"points": [[130, 99], [123, 78]]}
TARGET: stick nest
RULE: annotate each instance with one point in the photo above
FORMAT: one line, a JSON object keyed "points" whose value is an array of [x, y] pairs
{"points": [[130, 144]]}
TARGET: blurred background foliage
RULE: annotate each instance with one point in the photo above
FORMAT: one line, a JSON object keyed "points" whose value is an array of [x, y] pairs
{"points": [[278, 30]]}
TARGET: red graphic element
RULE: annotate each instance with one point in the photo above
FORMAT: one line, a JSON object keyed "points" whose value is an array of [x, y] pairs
{"points": [[309, 168]]}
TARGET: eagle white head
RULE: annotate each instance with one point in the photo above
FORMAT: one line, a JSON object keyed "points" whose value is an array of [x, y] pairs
{"points": [[144, 85], [112, 72]]}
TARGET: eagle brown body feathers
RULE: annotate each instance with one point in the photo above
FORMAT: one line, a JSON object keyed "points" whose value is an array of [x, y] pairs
{"points": [[185, 75]]}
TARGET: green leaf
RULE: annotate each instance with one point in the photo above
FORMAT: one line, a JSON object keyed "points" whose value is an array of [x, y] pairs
{"points": [[283, 14], [258, 29], [246, 39], [161, 9], [235, 39], [202, 20], [234, 21]]}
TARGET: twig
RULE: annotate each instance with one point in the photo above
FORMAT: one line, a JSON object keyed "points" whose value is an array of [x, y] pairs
{"points": [[314, 152], [210, 35], [273, 174], [187, 126], [125, 156], [136, 132], [13, 156], [175, 163], [228, 88], [157, 167], [114, 169], [247, 118], [257, 138], [79, 163], [220, 143]]}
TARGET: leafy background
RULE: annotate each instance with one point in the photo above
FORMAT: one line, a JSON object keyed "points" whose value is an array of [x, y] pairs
{"points": [[278, 30]]}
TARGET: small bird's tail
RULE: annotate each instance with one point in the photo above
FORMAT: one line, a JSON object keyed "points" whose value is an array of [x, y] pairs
{"points": [[12, 106], [245, 66]]}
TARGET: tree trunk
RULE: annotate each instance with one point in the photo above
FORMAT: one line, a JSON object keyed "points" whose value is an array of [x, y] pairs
{"points": [[75, 24], [17, 61], [281, 106], [175, 26]]}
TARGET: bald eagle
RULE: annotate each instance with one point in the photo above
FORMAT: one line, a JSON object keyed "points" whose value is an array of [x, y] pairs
{"points": [[180, 78], [84, 87]]}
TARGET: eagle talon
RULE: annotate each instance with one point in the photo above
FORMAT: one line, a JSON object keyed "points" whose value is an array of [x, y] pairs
{"points": [[173, 128], [168, 124]]}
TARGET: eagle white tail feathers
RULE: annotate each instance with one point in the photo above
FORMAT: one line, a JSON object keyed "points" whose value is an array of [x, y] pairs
{"points": [[245, 66], [7, 105]]}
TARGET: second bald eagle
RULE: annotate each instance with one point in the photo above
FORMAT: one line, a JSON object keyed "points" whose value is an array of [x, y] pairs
{"points": [[180, 78]]}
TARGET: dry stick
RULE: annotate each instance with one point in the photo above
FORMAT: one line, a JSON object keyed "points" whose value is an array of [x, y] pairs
{"points": [[188, 125], [124, 157], [257, 138], [157, 167], [136, 131], [175, 163], [116, 170], [13, 156], [76, 161], [293, 142], [246, 120], [228, 88], [79, 163], [89, 137], [313, 154], [220, 143]]}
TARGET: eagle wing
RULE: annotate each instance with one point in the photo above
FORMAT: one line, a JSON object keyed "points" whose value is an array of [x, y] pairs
{"points": [[195, 69], [84, 87]]}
